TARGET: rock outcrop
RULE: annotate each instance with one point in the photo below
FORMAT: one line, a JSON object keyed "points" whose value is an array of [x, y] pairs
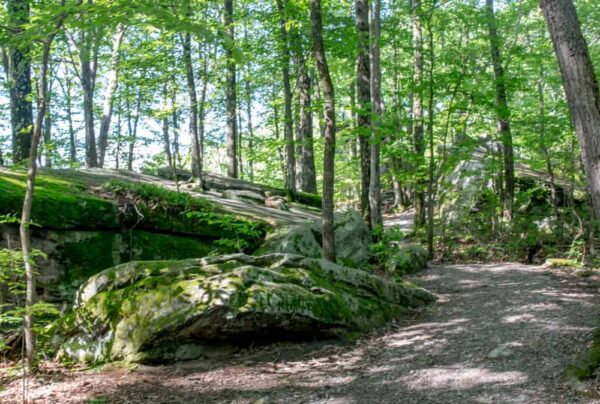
{"points": [[352, 240], [172, 310]]}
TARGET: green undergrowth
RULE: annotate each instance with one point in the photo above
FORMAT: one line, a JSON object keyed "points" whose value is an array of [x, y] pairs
{"points": [[586, 364]]}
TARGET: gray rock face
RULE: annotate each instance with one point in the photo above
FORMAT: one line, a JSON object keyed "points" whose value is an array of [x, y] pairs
{"points": [[159, 311], [245, 196], [352, 240]]}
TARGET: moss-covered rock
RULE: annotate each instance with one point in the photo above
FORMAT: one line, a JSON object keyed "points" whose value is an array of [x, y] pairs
{"points": [[352, 240], [406, 258], [161, 310]]}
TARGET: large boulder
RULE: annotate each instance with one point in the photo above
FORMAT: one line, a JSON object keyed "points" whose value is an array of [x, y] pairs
{"points": [[161, 311], [352, 240]]}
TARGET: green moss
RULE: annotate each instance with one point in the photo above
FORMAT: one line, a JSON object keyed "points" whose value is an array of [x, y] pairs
{"points": [[58, 203], [308, 199], [587, 363], [154, 246]]}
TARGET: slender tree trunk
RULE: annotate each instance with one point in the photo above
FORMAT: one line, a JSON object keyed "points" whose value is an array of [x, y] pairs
{"points": [[28, 198], [502, 111], [66, 90], [165, 129], [250, 129], [544, 145], [329, 152], [231, 101], [378, 107], [307, 171], [87, 84], [175, 120], [430, 112], [288, 128], [417, 112], [580, 84], [277, 135], [363, 77], [107, 108], [19, 82], [192, 95], [119, 137], [133, 127]]}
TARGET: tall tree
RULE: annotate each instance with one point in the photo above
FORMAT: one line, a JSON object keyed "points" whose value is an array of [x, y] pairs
{"points": [[87, 61], [29, 191], [580, 84], [363, 77], [19, 81], [417, 110], [288, 127], [502, 110], [308, 174], [377, 104], [113, 80], [231, 94], [329, 152], [193, 99]]}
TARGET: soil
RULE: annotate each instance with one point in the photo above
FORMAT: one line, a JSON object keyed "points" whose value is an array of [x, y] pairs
{"points": [[500, 333]]}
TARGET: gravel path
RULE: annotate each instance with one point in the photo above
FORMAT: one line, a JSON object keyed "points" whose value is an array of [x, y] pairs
{"points": [[500, 333]]}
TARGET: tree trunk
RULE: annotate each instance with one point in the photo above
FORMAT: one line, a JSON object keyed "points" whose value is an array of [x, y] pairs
{"points": [[28, 198], [192, 95], [87, 84], [132, 128], [175, 120], [417, 112], [288, 128], [580, 84], [19, 82], [329, 152], [363, 77], [250, 129], [430, 112], [308, 176], [107, 108], [231, 101], [165, 130], [378, 107], [502, 111]]}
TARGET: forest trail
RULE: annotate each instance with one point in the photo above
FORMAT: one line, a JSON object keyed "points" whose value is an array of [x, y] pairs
{"points": [[499, 333]]}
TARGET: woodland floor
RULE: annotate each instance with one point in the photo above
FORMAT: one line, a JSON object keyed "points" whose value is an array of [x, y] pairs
{"points": [[500, 333]]}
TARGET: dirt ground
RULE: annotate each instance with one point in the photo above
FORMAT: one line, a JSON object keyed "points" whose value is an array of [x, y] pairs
{"points": [[500, 333]]}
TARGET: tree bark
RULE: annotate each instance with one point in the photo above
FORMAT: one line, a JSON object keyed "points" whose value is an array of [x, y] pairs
{"points": [[28, 198], [19, 82], [288, 128], [193, 98], [231, 95], [580, 84], [502, 111], [87, 84], [132, 129], [378, 107], [113, 80], [417, 112], [165, 129], [430, 112], [363, 77], [329, 152], [308, 173]]}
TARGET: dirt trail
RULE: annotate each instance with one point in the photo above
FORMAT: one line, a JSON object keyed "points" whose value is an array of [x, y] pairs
{"points": [[500, 333]]}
